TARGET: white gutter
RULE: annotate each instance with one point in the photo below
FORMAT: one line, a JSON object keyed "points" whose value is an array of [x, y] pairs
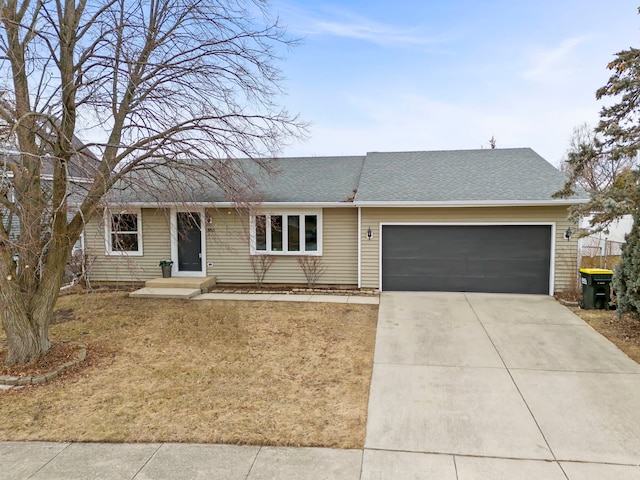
{"points": [[49, 177], [369, 204], [234, 204], [474, 203]]}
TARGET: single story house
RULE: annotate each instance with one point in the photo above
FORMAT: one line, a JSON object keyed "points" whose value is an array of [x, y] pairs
{"points": [[469, 220]]}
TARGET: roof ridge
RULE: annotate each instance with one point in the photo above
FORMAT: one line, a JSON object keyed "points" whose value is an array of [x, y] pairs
{"points": [[452, 151]]}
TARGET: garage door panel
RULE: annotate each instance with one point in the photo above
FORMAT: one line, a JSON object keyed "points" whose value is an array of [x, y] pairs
{"points": [[503, 266], [454, 283], [418, 266], [505, 258], [472, 267]]}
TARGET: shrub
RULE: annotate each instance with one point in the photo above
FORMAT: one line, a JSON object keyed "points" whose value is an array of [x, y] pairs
{"points": [[313, 268]]}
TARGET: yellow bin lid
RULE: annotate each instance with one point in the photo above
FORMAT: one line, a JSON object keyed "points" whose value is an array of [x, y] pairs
{"points": [[596, 271]]}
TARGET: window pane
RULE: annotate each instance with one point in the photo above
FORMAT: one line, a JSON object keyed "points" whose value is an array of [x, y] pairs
{"points": [[293, 223], [261, 232], [124, 222], [276, 233], [124, 242], [311, 233]]}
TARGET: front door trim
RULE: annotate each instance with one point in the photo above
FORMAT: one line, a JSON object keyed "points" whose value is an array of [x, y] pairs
{"points": [[174, 241]]}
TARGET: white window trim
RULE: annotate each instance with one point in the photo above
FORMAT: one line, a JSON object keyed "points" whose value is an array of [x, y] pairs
{"points": [[107, 234], [285, 233]]}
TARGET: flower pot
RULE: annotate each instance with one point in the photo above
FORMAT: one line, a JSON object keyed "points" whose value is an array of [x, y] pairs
{"points": [[166, 271]]}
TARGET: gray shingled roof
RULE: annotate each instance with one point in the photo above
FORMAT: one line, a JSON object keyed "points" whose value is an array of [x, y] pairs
{"points": [[322, 179], [295, 180], [83, 164], [475, 176], [513, 174]]}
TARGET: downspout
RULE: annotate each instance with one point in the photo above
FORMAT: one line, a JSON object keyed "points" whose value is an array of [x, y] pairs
{"points": [[359, 233], [83, 274]]}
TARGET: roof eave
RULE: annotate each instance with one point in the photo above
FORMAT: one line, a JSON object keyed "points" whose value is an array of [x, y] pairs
{"points": [[473, 203], [235, 204], [372, 204]]}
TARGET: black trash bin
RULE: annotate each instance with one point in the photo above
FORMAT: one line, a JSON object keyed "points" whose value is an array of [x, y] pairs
{"points": [[596, 288]]}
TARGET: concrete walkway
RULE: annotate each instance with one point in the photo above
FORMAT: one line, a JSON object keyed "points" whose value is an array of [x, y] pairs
{"points": [[194, 294], [465, 386], [291, 297]]}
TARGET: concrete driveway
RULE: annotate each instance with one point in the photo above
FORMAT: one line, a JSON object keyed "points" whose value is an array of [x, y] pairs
{"points": [[481, 386]]}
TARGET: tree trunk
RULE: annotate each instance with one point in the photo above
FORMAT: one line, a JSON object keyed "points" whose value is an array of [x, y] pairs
{"points": [[27, 335], [27, 324], [28, 309]]}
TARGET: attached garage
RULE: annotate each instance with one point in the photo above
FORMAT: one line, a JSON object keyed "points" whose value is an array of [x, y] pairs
{"points": [[467, 258]]}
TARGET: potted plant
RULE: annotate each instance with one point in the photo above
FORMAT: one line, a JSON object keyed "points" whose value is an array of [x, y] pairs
{"points": [[166, 265]]}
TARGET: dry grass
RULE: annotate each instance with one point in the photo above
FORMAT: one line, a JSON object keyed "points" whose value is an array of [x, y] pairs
{"points": [[211, 372], [624, 333]]}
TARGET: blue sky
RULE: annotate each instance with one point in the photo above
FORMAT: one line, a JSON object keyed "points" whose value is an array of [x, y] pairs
{"points": [[378, 75]]}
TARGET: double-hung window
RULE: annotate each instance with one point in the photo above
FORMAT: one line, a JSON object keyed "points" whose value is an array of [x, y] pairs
{"points": [[123, 233], [296, 233]]}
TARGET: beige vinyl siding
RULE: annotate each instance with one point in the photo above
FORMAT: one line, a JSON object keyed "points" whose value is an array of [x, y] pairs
{"points": [[228, 250], [565, 251], [340, 251], [155, 246]]}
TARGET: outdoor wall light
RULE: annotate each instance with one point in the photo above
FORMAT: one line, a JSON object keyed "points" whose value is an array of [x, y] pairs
{"points": [[568, 233], [369, 234]]}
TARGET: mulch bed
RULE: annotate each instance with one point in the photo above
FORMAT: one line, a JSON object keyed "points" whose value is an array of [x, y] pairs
{"points": [[59, 354]]}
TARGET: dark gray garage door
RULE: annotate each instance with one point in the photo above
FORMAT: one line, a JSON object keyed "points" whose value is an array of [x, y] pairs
{"points": [[499, 259]]}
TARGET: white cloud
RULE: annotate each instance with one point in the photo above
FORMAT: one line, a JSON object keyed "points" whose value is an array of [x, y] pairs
{"points": [[553, 65], [345, 24], [368, 30]]}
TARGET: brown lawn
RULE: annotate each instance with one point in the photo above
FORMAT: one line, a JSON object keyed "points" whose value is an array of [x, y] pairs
{"points": [[207, 372]]}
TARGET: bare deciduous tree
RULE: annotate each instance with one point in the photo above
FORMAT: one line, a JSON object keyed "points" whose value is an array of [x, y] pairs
{"points": [[173, 83], [588, 165]]}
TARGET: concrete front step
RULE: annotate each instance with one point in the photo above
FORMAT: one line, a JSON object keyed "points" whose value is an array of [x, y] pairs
{"points": [[204, 284], [165, 292]]}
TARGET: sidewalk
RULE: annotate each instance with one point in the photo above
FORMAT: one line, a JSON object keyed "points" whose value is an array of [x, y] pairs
{"points": [[92, 461]]}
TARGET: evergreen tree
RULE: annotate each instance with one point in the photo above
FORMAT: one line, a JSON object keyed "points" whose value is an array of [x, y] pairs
{"points": [[626, 278], [616, 143]]}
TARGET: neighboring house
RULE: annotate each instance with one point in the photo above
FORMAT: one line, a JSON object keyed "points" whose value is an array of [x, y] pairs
{"points": [[81, 170], [472, 220]]}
